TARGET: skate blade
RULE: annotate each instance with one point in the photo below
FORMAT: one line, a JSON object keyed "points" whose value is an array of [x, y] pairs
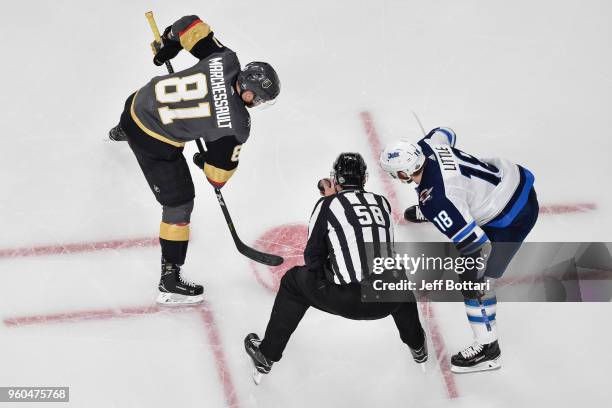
{"points": [[484, 366], [174, 299], [423, 366], [257, 376]]}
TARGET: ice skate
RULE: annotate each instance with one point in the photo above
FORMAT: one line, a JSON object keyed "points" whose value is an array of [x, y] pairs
{"points": [[477, 357], [174, 290], [261, 365], [420, 355], [117, 134]]}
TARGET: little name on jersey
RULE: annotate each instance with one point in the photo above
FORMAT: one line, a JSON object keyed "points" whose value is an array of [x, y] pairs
{"points": [[447, 159], [219, 91]]}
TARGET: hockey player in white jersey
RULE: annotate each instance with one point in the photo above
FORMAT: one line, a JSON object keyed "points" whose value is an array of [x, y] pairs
{"points": [[486, 207]]}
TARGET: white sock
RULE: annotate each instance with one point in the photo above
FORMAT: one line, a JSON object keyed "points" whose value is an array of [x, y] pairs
{"points": [[483, 333]]}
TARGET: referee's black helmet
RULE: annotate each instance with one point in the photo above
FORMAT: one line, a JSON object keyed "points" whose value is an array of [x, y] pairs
{"points": [[350, 170]]}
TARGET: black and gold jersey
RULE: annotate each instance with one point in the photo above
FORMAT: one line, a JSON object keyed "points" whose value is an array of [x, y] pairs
{"points": [[198, 102]]}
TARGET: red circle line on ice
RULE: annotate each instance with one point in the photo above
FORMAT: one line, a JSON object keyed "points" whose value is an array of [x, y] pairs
{"points": [[288, 241]]}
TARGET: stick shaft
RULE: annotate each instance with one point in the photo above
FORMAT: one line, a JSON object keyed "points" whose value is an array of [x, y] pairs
{"points": [[153, 24], [158, 42], [419, 122]]}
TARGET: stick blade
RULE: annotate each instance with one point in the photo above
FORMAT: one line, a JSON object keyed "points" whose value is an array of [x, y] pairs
{"points": [[261, 257], [251, 253]]}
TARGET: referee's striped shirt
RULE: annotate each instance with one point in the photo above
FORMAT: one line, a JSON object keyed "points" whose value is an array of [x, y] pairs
{"points": [[346, 231]]}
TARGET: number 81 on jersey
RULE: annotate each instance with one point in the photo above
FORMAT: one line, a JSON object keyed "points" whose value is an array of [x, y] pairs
{"points": [[179, 89]]}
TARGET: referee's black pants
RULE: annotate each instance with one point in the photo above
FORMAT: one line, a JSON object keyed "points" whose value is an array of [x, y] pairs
{"points": [[301, 288]]}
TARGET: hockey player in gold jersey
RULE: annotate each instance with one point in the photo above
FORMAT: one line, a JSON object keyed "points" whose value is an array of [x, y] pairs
{"points": [[208, 100]]}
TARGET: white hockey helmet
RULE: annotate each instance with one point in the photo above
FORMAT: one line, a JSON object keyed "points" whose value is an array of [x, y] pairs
{"points": [[401, 160]]}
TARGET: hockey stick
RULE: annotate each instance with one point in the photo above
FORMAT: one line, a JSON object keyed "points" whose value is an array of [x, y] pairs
{"points": [[419, 122], [244, 249], [251, 253]]}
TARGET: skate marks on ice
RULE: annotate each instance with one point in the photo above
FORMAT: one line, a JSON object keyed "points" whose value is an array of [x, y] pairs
{"points": [[204, 311]]}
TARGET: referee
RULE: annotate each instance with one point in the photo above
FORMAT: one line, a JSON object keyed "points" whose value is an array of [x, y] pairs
{"points": [[342, 223]]}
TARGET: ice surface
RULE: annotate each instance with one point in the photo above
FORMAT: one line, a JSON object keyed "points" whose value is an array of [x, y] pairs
{"points": [[525, 80]]}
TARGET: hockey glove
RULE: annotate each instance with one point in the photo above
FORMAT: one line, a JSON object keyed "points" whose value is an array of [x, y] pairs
{"points": [[199, 159], [475, 263], [169, 49]]}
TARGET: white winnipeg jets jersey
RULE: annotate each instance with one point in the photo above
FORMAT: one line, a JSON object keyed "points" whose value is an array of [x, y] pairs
{"points": [[460, 193]]}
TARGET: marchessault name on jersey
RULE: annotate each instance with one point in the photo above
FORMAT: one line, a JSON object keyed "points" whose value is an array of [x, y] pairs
{"points": [[217, 84]]}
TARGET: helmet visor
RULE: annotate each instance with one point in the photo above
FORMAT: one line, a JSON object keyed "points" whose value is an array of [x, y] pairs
{"points": [[401, 176], [261, 103]]}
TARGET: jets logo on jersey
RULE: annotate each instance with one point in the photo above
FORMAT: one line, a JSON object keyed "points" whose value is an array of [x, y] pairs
{"points": [[392, 155], [425, 195]]}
